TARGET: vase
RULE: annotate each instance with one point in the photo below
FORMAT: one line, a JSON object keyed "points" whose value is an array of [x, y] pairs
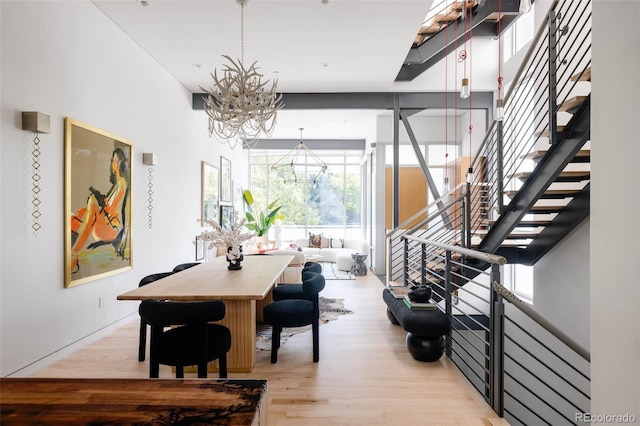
{"points": [[234, 263]]}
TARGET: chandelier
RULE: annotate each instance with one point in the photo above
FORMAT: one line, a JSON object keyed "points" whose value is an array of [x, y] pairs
{"points": [[300, 165], [241, 106]]}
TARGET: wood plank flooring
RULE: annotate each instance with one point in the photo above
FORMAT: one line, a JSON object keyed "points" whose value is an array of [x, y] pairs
{"points": [[365, 375]]}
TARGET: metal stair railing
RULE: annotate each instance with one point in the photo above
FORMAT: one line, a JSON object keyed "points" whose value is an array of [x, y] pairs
{"points": [[528, 370]]}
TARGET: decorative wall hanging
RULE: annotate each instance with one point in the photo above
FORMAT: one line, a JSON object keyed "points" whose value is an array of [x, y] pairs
{"points": [[210, 191], [149, 159], [36, 122], [199, 243], [225, 180], [226, 217], [97, 199]]}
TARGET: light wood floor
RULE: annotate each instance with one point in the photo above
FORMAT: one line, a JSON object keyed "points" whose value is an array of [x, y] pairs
{"points": [[365, 375]]}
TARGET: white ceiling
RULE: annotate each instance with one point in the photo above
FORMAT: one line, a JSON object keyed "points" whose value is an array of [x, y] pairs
{"points": [[341, 46]]}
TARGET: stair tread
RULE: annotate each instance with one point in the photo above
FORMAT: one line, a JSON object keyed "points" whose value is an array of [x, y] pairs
{"points": [[550, 193], [528, 222], [545, 133], [571, 104], [565, 176], [536, 155], [585, 76]]}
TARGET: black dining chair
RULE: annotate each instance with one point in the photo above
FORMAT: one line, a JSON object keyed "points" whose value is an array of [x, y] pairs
{"points": [[191, 340], [183, 266], [142, 344], [296, 313], [295, 291]]}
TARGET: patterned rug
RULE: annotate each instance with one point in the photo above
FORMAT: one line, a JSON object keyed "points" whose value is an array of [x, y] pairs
{"points": [[330, 310], [331, 272]]}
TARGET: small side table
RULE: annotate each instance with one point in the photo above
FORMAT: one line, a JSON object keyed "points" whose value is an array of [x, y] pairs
{"points": [[359, 268]]}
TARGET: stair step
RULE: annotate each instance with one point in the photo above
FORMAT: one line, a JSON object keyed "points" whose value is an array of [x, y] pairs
{"points": [[563, 177], [545, 133], [446, 18], [572, 104], [546, 209], [550, 193], [584, 76], [514, 235], [528, 223], [583, 156]]}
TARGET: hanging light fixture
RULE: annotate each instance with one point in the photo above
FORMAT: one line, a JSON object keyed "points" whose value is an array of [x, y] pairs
{"points": [[498, 113], [525, 6], [300, 165], [464, 89], [241, 107]]}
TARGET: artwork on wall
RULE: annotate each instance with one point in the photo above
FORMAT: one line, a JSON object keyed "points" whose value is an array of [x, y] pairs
{"points": [[210, 189], [199, 248], [226, 217], [225, 180], [97, 203]]}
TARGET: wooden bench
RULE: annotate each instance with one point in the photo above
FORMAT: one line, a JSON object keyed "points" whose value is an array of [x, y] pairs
{"points": [[425, 328]]}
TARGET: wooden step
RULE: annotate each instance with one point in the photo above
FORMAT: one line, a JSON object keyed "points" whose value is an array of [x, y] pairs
{"points": [[545, 133], [583, 156], [550, 193], [529, 223], [571, 105], [446, 18], [514, 235], [563, 177], [546, 209], [584, 76]]}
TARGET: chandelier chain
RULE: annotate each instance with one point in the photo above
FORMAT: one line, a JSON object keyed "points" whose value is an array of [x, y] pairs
{"points": [[242, 32]]}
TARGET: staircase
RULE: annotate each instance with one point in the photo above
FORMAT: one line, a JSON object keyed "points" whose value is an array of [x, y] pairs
{"points": [[533, 168]]}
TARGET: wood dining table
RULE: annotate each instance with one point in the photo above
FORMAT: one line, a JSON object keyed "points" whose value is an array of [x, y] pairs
{"points": [[239, 289], [44, 401]]}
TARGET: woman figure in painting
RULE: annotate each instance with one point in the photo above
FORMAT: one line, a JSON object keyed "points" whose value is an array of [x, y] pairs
{"points": [[104, 216]]}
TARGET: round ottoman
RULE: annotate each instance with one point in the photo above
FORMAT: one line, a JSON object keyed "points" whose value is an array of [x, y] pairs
{"points": [[344, 262]]}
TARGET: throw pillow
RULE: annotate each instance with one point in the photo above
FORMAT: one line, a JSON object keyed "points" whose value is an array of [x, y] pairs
{"points": [[337, 243], [325, 242], [315, 240]]}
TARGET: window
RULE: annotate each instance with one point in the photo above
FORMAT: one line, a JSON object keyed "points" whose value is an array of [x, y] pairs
{"points": [[332, 206], [518, 35], [519, 279]]}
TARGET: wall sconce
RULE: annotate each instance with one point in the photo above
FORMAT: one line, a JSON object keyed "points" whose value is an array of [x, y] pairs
{"points": [[36, 122], [150, 160]]}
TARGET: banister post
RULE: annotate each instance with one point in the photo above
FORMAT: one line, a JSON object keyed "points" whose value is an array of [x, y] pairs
{"points": [[406, 262], [500, 167], [423, 264], [448, 302], [496, 348], [553, 57]]}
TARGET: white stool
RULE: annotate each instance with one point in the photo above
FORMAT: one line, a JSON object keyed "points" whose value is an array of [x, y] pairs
{"points": [[344, 262]]}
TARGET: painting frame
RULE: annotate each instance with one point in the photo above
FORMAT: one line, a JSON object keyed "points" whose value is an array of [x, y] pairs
{"points": [[209, 193], [225, 180], [227, 216], [98, 199], [199, 243]]}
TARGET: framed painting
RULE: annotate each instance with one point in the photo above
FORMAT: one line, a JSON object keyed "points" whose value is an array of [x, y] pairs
{"points": [[226, 217], [199, 248], [97, 200], [210, 190], [225, 180]]}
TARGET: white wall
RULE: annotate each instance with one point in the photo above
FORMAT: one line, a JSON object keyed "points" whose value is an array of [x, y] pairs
{"points": [[615, 207], [65, 58], [561, 289]]}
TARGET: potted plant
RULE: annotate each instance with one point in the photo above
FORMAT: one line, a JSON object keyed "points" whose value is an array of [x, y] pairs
{"points": [[231, 238], [260, 221]]}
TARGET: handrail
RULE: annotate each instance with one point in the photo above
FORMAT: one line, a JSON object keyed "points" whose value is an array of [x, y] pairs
{"points": [[544, 323], [494, 259]]}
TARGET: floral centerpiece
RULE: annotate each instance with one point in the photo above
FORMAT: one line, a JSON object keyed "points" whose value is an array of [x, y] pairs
{"points": [[231, 238]]}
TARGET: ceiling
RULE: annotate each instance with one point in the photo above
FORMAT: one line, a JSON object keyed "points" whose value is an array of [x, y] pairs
{"points": [[307, 45]]}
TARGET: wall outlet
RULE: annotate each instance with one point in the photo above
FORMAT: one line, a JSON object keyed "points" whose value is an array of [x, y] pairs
{"points": [[100, 302]]}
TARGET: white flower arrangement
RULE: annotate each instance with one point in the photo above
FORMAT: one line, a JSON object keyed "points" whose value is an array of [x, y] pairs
{"points": [[228, 237]]}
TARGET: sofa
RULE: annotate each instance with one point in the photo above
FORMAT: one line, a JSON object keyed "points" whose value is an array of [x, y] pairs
{"points": [[335, 250]]}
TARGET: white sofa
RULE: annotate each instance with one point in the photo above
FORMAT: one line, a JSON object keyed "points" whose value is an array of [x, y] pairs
{"points": [[335, 250]]}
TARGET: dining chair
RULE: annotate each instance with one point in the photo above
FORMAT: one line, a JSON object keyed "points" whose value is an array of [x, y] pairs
{"points": [[191, 340], [142, 344], [183, 266], [296, 313], [295, 291]]}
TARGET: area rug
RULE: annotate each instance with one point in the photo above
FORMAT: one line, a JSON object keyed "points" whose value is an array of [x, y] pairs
{"points": [[330, 310], [331, 272]]}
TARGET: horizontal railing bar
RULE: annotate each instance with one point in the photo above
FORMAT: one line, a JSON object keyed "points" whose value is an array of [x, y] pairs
{"points": [[486, 386], [506, 373], [525, 407], [463, 359], [551, 388], [490, 258], [464, 314], [554, 371], [538, 341], [546, 324], [477, 349]]}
